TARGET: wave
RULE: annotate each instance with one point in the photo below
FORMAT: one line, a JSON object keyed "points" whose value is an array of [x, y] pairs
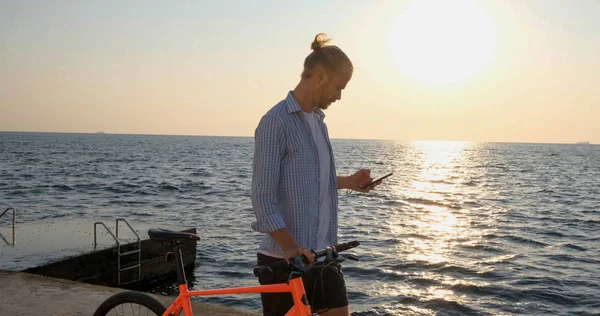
{"points": [[379, 274], [62, 187], [429, 203], [144, 192], [479, 290], [141, 214], [440, 181], [517, 239], [440, 304], [496, 260], [201, 173], [125, 184], [545, 191], [234, 274], [574, 247], [499, 166], [481, 247], [438, 267], [168, 187], [552, 233], [569, 258], [557, 296], [119, 190], [86, 186]]}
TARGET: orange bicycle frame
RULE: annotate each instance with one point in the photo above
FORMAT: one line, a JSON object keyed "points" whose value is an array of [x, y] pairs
{"points": [[295, 287]]}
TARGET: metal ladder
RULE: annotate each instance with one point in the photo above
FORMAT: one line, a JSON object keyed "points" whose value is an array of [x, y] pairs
{"points": [[14, 212], [122, 254]]}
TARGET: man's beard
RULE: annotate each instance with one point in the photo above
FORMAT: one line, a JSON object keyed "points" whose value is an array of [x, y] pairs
{"points": [[324, 105]]}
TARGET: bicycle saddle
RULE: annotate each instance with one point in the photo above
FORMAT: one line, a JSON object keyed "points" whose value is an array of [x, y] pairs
{"points": [[159, 234]]}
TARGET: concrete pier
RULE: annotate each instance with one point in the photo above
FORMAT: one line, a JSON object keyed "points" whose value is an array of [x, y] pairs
{"points": [[45, 248], [28, 294], [51, 240]]}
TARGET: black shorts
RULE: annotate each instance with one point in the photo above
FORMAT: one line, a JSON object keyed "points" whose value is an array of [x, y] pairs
{"points": [[326, 291]]}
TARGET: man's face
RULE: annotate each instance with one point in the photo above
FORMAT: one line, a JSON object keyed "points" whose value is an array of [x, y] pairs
{"points": [[331, 88]]}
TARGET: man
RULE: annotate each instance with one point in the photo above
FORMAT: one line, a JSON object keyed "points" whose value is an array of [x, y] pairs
{"points": [[294, 182]]}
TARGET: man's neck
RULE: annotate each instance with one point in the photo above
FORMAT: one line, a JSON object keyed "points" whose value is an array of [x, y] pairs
{"points": [[304, 98]]}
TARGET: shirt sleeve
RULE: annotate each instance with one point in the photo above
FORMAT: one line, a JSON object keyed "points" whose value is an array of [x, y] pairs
{"points": [[269, 149]]}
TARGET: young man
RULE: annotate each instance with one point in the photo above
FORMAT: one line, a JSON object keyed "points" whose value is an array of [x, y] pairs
{"points": [[294, 182]]}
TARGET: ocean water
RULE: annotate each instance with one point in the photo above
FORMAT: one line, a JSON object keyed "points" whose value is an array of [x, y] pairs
{"points": [[459, 229]]}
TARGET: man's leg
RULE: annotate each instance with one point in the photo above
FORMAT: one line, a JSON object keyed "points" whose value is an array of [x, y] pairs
{"points": [[326, 290], [274, 304], [338, 311]]}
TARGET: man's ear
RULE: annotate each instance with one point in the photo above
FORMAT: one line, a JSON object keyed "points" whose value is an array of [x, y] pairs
{"points": [[320, 74], [324, 79]]}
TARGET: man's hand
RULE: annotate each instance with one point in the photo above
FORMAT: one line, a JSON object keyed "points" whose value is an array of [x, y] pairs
{"points": [[289, 246], [362, 177], [297, 251]]}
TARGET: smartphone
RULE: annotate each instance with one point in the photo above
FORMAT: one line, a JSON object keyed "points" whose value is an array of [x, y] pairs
{"points": [[368, 184]]}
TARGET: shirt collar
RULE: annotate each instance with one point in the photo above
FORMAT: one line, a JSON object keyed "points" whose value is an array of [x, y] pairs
{"points": [[294, 106]]}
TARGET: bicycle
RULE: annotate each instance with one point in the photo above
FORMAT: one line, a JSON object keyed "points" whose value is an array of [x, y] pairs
{"points": [[295, 265]]}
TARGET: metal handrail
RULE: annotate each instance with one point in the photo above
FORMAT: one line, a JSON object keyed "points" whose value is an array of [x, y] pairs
{"points": [[14, 212], [126, 222], [107, 229]]}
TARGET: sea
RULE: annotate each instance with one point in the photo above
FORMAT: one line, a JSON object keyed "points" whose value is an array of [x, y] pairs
{"points": [[461, 228]]}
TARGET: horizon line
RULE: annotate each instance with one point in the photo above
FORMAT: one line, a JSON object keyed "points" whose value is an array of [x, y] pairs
{"points": [[333, 138]]}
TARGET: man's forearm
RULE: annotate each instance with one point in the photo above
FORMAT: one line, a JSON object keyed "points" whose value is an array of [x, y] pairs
{"points": [[343, 182], [284, 239]]}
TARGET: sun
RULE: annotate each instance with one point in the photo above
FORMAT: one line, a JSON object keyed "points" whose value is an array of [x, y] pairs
{"points": [[442, 41]]}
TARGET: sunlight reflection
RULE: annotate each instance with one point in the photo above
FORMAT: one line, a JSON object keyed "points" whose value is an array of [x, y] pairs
{"points": [[437, 223], [440, 293], [440, 169], [438, 220]]}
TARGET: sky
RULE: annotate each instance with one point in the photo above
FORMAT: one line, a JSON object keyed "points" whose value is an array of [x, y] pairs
{"points": [[492, 71]]}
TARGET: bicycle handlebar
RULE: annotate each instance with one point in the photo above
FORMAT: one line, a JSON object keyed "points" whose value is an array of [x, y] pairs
{"points": [[339, 248], [299, 262]]}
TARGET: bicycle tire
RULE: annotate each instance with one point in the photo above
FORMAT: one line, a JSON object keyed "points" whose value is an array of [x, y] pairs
{"points": [[130, 298]]}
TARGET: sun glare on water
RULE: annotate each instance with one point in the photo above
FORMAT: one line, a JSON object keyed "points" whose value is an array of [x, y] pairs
{"points": [[434, 226], [442, 41]]}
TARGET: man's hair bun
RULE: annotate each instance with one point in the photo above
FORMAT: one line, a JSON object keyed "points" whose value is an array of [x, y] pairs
{"points": [[320, 40]]}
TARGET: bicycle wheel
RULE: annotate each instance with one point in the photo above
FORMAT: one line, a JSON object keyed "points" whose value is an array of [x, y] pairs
{"points": [[131, 304]]}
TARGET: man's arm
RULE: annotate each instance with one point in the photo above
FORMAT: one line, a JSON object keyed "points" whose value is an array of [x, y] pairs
{"points": [[354, 181], [268, 153], [343, 182]]}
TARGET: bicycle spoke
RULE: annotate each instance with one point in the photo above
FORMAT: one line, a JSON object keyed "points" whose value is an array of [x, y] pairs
{"points": [[124, 310]]}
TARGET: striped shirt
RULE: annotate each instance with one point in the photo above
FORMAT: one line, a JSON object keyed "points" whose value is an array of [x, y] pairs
{"points": [[285, 178]]}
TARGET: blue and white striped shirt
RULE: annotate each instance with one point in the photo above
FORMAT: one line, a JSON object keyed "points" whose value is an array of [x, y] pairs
{"points": [[285, 178]]}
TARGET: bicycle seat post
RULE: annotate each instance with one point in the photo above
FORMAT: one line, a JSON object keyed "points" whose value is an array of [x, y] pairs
{"points": [[180, 269]]}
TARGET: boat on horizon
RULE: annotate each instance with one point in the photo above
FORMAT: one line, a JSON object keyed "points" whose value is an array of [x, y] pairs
{"points": [[582, 143]]}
